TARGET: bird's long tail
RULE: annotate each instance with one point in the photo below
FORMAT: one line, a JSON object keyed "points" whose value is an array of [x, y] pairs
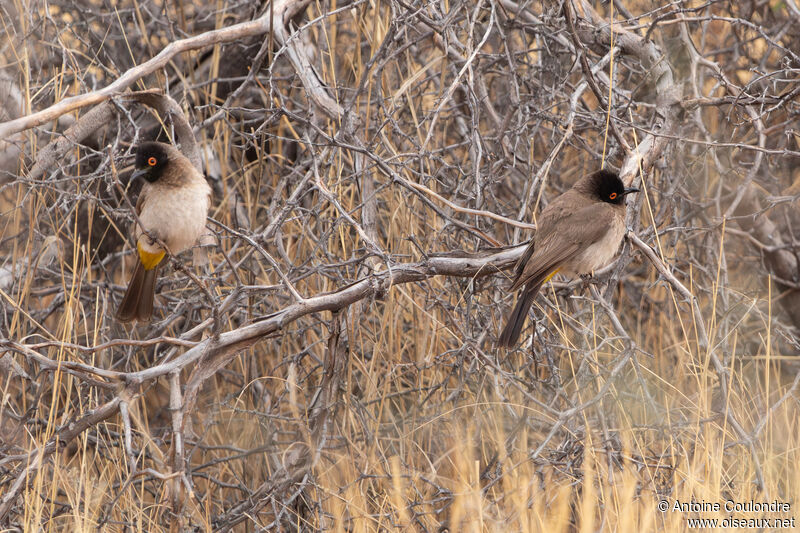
{"points": [[510, 334], [138, 300]]}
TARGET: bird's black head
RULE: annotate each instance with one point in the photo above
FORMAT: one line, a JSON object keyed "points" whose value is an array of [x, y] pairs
{"points": [[607, 186], [151, 160]]}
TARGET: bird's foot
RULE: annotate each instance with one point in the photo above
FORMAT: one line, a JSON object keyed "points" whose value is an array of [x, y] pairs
{"points": [[586, 280]]}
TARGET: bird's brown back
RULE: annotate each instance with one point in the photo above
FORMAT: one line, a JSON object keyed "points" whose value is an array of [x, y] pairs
{"points": [[568, 225]]}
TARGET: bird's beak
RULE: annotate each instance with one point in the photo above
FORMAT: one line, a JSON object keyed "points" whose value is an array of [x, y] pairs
{"points": [[139, 173], [629, 190]]}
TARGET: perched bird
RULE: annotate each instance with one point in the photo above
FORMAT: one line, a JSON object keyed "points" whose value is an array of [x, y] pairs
{"points": [[577, 233], [172, 209]]}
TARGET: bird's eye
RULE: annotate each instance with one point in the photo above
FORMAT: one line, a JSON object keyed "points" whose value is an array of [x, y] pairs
{"points": [[612, 196], [152, 161]]}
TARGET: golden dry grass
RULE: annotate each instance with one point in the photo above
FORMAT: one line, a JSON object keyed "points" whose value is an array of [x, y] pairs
{"points": [[435, 429]]}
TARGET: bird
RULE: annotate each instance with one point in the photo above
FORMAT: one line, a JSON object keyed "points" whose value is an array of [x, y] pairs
{"points": [[578, 232], [171, 210]]}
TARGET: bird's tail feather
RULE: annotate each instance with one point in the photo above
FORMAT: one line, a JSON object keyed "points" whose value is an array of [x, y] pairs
{"points": [[510, 334], [138, 300]]}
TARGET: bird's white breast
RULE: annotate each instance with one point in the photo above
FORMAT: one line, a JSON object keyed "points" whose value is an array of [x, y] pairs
{"points": [[176, 215], [599, 254]]}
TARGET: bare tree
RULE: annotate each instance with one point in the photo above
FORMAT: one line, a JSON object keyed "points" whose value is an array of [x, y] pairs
{"points": [[377, 169]]}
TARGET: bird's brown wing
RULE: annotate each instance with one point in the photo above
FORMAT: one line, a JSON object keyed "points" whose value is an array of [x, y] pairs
{"points": [[141, 200], [547, 258], [557, 210], [558, 242], [523, 260]]}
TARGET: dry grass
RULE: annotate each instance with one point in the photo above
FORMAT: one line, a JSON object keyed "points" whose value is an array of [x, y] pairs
{"points": [[434, 428]]}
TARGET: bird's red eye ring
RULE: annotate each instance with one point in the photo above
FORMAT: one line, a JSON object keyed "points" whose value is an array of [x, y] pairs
{"points": [[152, 161], [612, 196]]}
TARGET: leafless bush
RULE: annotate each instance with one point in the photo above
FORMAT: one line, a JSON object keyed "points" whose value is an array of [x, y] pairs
{"points": [[335, 367]]}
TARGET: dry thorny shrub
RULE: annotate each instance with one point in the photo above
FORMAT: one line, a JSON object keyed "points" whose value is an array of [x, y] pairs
{"points": [[400, 145]]}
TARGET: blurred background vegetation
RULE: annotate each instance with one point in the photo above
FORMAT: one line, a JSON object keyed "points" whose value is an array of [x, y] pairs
{"points": [[372, 135]]}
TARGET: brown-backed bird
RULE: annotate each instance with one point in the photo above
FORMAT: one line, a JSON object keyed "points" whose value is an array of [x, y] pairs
{"points": [[577, 233], [172, 209]]}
